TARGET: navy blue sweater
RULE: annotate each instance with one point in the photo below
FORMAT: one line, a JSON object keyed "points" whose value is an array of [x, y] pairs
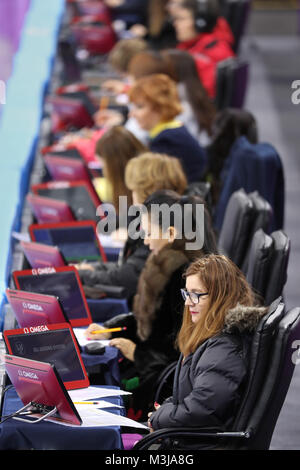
{"points": [[178, 142]]}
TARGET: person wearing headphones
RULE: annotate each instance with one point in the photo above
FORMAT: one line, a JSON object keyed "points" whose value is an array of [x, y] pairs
{"points": [[206, 35]]}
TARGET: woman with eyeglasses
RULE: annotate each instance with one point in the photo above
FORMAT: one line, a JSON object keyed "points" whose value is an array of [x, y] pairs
{"points": [[148, 344], [218, 322]]}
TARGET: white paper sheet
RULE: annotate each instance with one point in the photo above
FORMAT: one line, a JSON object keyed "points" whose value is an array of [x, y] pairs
{"points": [[79, 333], [94, 393], [101, 418], [24, 237]]}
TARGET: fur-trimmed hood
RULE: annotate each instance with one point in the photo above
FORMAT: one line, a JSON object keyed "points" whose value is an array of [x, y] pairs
{"points": [[243, 318], [157, 272]]}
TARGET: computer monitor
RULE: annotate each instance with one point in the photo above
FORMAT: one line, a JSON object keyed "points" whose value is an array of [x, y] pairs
{"points": [[32, 309], [63, 283], [66, 169], [71, 111], [41, 256], [39, 382], [46, 209], [55, 344], [61, 150], [77, 241], [80, 196]]}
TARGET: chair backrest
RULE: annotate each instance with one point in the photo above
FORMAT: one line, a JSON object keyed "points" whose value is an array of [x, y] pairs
{"points": [[278, 267], [234, 234], [259, 356], [239, 84], [261, 220], [259, 260], [232, 81], [277, 380], [254, 167], [236, 12]]}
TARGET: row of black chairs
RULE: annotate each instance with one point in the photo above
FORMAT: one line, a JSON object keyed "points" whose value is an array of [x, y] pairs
{"points": [[246, 239]]}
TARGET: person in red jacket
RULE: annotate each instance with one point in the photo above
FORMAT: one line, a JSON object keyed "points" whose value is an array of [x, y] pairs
{"points": [[206, 35]]}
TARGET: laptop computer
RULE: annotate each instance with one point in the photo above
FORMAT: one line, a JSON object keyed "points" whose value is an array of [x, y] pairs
{"points": [[77, 241], [32, 309], [64, 283], [55, 344], [40, 255], [39, 382]]}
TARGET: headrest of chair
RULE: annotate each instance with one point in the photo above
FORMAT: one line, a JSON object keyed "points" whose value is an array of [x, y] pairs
{"points": [[236, 226], [258, 359], [260, 257], [277, 380], [278, 267]]}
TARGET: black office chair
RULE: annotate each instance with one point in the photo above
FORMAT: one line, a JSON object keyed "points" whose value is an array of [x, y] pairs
{"points": [[277, 276], [260, 256], [262, 219], [268, 263], [236, 228], [231, 83], [270, 374], [237, 13]]}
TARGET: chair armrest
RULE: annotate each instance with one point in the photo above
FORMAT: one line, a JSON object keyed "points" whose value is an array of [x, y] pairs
{"points": [[162, 379], [186, 433]]}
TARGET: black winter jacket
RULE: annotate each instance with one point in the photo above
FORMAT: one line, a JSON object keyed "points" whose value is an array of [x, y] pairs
{"points": [[124, 274], [208, 385]]}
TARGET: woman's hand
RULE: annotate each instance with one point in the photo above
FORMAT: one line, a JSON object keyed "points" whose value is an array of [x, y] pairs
{"points": [[113, 86], [126, 346], [84, 266], [108, 118], [94, 327]]}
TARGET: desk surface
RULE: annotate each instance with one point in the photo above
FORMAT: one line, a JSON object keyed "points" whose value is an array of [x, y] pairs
{"points": [[49, 436]]}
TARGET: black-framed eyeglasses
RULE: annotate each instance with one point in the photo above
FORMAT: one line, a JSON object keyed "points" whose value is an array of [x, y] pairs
{"points": [[193, 296]]}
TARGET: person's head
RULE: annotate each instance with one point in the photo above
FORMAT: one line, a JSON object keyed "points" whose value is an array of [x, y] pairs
{"points": [[150, 172], [223, 286], [145, 63], [181, 67], [154, 100], [116, 147], [229, 124], [180, 221], [193, 17], [124, 50]]}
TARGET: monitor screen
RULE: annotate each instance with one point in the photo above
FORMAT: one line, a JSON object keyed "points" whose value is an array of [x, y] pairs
{"points": [[77, 241], [63, 283], [66, 169], [40, 255], [39, 382], [46, 209], [55, 344], [80, 197], [33, 309]]}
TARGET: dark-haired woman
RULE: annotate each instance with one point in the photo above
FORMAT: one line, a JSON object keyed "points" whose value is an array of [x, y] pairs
{"points": [[148, 342]]}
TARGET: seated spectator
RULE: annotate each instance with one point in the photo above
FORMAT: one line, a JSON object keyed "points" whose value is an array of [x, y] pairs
{"points": [[218, 322], [203, 33], [198, 111], [229, 124], [151, 328], [143, 175], [115, 148], [155, 106]]}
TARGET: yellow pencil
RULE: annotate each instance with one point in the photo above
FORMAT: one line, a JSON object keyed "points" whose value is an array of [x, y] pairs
{"points": [[103, 103], [108, 330], [86, 403]]}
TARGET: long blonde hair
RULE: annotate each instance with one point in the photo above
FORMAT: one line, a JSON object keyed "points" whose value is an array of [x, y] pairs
{"points": [[226, 286]]}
